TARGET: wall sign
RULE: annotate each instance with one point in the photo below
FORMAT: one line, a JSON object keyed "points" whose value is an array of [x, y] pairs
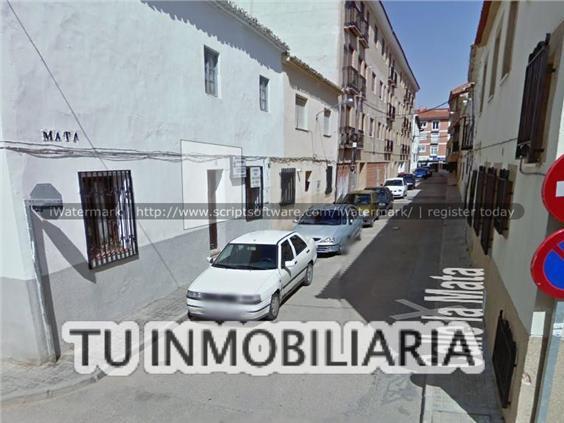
{"points": [[52, 135], [238, 167], [553, 189], [255, 177], [547, 266]]}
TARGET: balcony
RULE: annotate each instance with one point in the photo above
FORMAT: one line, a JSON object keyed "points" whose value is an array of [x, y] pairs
{"points": [[391, 115], [392, 77], [350, 136], [356, 22], [354, 81], [389, 146], [467, 136]]}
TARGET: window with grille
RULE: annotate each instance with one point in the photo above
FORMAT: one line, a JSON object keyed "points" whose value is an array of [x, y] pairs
{"points": [[211, 59], [533, 105], [329, 180], [479, 199], [487, 208], [471, 194], [509, 37], [288, 186], [263, 93], [503, 201], [109, 216]]}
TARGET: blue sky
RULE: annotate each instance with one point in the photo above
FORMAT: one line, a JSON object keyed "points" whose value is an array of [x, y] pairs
{"points": [[436, 38]]}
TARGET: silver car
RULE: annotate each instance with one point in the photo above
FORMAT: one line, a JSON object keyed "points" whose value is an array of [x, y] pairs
{"points": [[333, 227]]}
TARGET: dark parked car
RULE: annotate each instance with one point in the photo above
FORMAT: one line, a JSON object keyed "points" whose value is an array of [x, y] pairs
{"points": [[385, 198], [409, 179], [421, 173]]}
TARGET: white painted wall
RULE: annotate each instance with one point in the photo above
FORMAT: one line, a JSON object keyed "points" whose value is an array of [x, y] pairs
{"points": [[312, 29], [132, 73], [499, 121]]}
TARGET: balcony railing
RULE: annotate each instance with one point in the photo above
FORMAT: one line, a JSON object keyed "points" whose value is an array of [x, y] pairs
{"points": [[389, 146], [391, 115], [355, 21], [354, 80], [467, 135], [350, 135]]}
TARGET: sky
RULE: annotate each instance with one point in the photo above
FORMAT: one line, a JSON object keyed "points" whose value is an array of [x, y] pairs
{"points": [[436, 37]]}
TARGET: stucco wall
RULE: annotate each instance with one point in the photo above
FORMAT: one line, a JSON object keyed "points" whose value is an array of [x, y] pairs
{"points": [[132, 76]]}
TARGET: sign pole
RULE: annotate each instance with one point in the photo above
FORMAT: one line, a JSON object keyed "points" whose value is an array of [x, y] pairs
{"points": [[549, 370]]}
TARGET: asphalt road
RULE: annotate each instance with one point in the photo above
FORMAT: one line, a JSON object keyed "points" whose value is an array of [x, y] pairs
{"points": [[393, 261]]}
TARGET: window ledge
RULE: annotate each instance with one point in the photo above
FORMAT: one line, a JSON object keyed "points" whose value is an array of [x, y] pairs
{"points": [[302, 129]]}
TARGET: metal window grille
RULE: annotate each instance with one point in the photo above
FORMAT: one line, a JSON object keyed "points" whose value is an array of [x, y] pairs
{"points": [[487, 208], [210, 69], [503, 358], [109, 216], [503, 201], [329, 179], [263, 93], [288, 186], [478, 200], [533, 105]]}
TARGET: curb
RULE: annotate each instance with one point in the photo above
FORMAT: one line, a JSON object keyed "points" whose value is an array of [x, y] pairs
{"points": [[63, 388]]}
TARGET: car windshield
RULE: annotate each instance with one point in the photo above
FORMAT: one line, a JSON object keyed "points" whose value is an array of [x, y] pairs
{"points": [[393, 182], [247, 256], [322, 217], [358, 199]]}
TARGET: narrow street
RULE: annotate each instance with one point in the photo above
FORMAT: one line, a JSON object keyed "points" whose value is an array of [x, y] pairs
{"points": [[393, 261]]}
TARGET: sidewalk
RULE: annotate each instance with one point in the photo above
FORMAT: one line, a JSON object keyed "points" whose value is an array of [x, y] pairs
{"points": [[460, 397], [22, 383]]}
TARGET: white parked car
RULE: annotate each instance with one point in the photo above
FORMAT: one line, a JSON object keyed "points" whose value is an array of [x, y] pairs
{"points": [[252, 275], [397, 186]]}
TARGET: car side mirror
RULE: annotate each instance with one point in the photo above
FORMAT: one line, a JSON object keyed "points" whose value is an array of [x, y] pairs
{"points": [[210, 259], [289, 264]]}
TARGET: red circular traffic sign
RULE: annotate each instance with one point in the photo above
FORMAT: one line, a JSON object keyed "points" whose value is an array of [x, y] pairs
{"points": [[553, 189], [547, 266]]}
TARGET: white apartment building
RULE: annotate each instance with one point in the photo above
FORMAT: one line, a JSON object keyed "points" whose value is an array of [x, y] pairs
{"points": [[415, 134], [125, 107], [355, 47], [517, 66]]}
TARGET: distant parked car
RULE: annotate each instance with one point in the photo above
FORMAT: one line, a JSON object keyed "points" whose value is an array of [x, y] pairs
{"points": [[333, 227], [409, 179], [385, 198], [251, 276], [429, 170], [421, 173], [367, 203], [397, 186]]}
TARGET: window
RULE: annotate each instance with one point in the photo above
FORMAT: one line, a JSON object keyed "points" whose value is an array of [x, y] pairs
{"points": [[373, 82], [375, 34], [327, 122], [301, 112], [502, 201], [434, 149], [383, 47], [422, 148], [434, 138], [509, 36], [483, 89], [435, 126], [379, 130], [109, 216], [381, 90], [533, 106], [423, 124], [210, 70], [493, 76], [329, 180], [263, 93], [287, 253], [307, 180], [253, 193], [299, 244], [288, 186], [371, 128]]}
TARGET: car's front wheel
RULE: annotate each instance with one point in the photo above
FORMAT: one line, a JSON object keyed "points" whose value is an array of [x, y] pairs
{"points": [[274, 307], [309, 275]]}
